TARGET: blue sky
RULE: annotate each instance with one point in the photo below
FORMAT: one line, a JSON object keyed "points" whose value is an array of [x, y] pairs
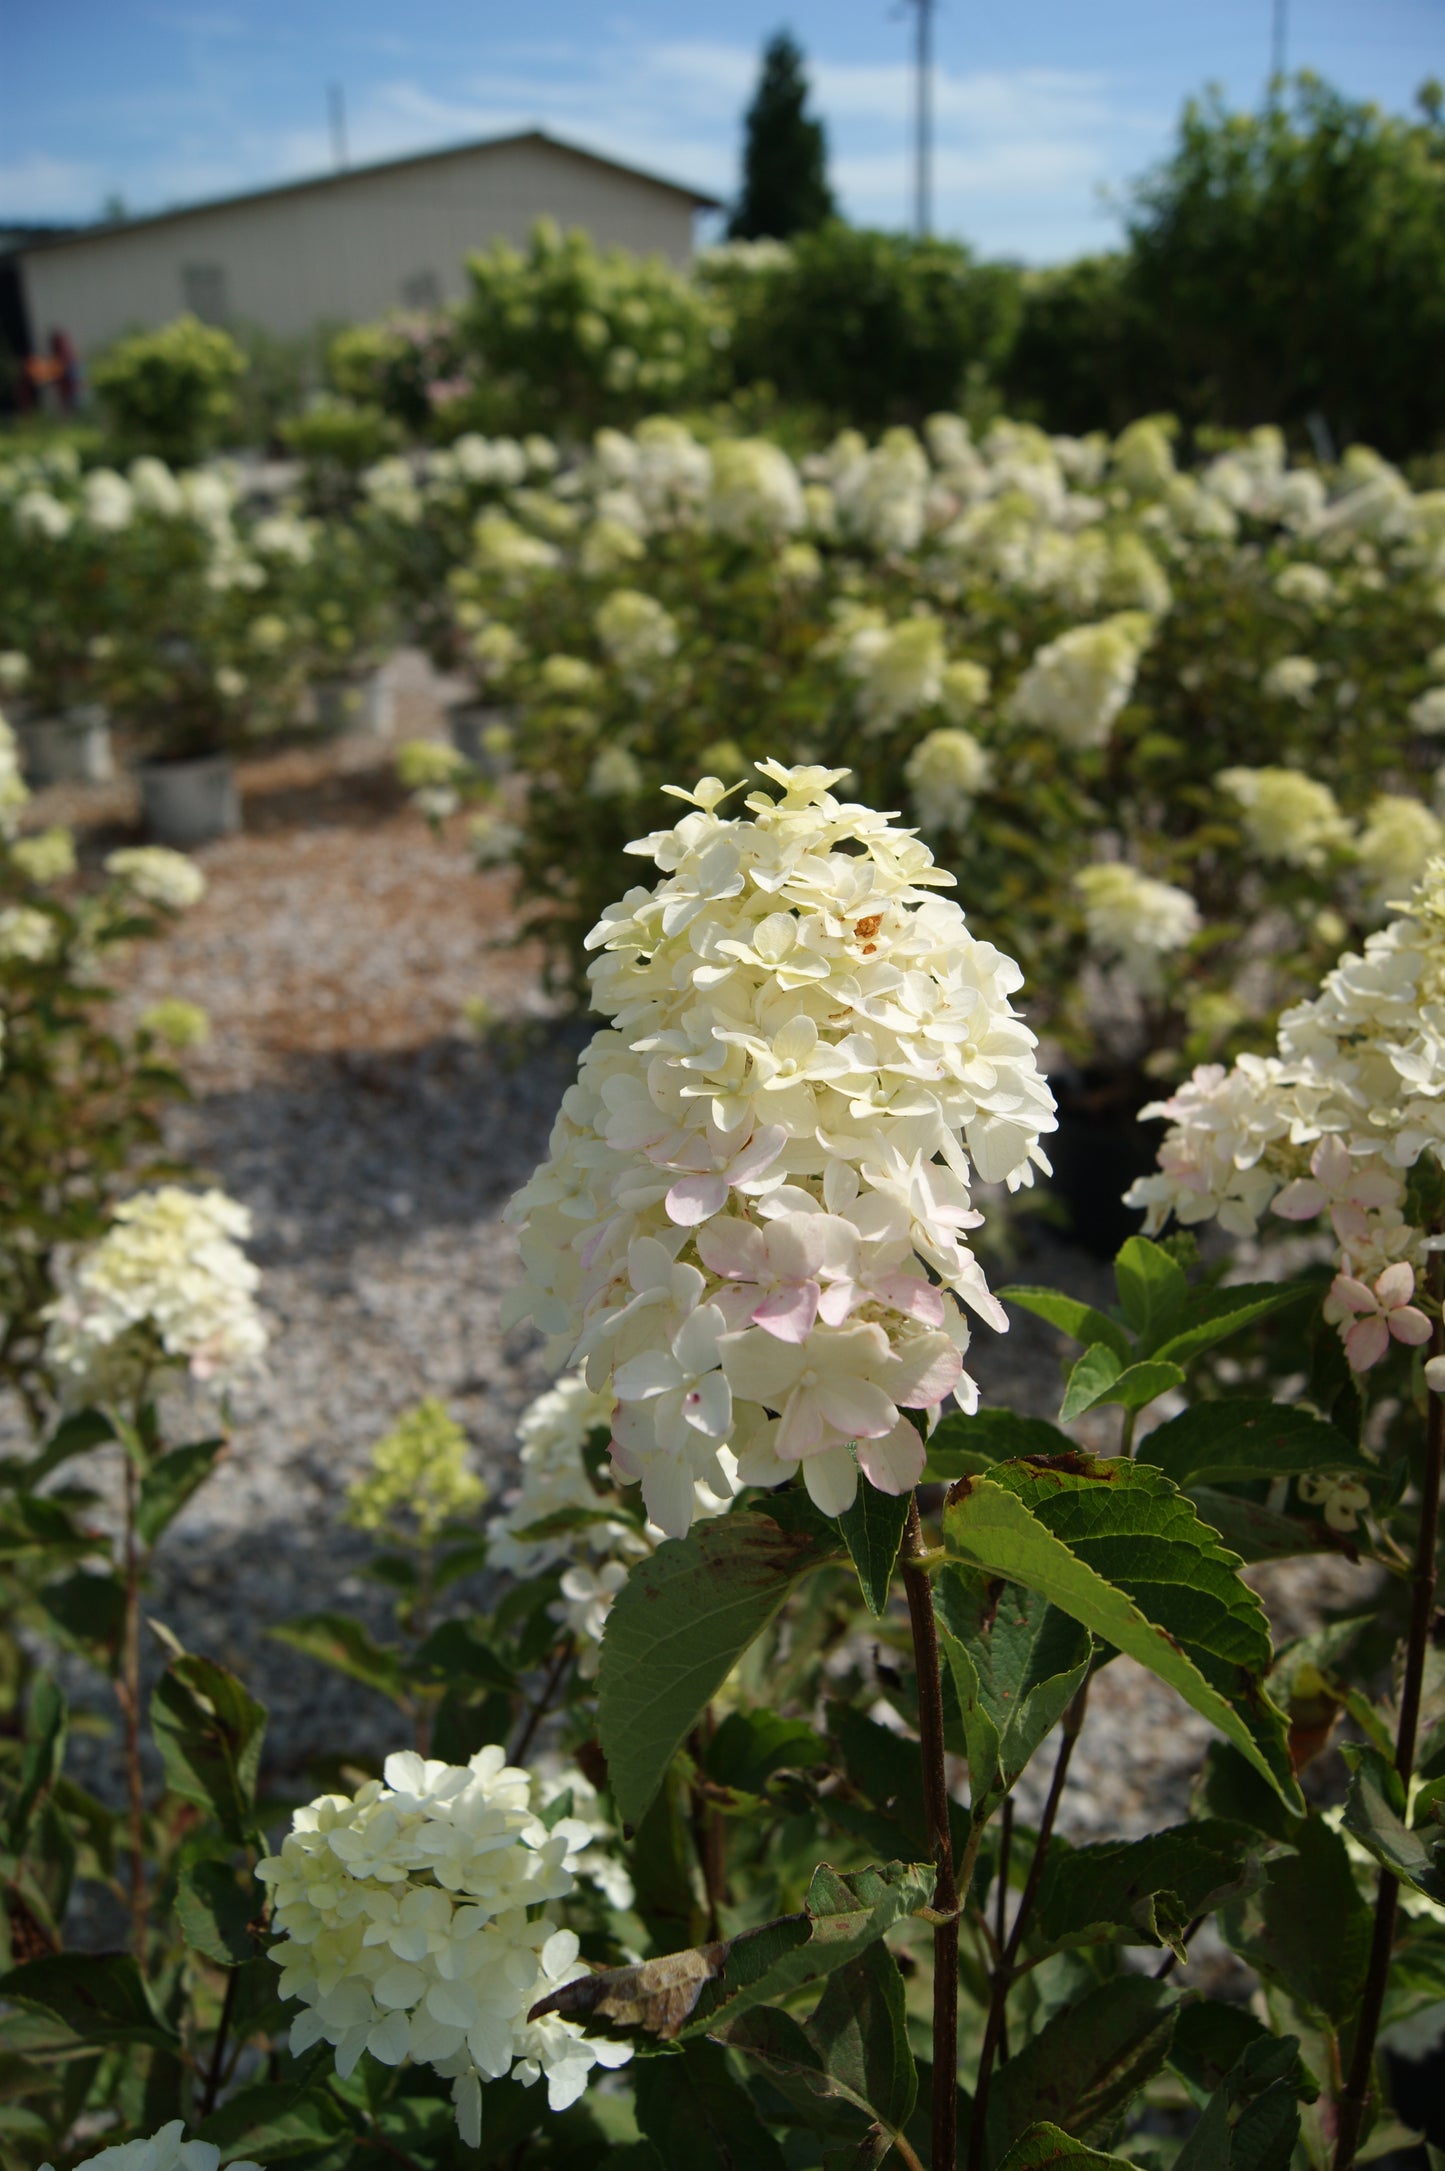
{"points": [[1044, 106]]}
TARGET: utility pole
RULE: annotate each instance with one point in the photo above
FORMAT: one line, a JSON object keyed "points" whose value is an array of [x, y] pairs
{"points": [[923, 116], [336, 101], [1279, 42]]}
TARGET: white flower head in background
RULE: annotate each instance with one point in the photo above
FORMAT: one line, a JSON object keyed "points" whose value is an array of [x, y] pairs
{"points": [[27, 935], [1291, 678], [167, 1284], [14, 792], [1076, 685], [1330, 1126], [946, 772], [1288, 816], [1134, 920], [756, 494], [410, 1927], [750, 1226], [158, 876], [899, 668], [46, 857]]}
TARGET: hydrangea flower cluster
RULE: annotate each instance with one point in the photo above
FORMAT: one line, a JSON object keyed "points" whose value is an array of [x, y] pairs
{"points": [[1135, 920], [168, 2150], [1287, 815], [750, 1226], [158, 876], [946, 772], [421, 1469], [1076, 686], [569, 1504], [1330, 1125], [167, 1284], [411, 1927], [14, 792]]}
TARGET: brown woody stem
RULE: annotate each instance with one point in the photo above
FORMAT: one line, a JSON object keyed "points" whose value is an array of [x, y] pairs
{"points": [[935, 1804], [1355, 2097], [128, 1696], [1003, 1974]]}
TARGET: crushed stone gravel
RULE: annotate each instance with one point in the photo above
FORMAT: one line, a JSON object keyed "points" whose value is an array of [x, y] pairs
{"points": [[376, 1146]]}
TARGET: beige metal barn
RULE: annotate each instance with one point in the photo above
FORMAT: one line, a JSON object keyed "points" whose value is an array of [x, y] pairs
{"points": [[346, 246]]}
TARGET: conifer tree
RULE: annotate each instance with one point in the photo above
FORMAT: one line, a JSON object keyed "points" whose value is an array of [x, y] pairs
{"points": [[785, 157]]}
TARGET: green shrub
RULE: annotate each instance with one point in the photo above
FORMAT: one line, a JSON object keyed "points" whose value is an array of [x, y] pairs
{"points": [[337, 438], [875, 328], [569, 337], [171, 392], [394, 364]]}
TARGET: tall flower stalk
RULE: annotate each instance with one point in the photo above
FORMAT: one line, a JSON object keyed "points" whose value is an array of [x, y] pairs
{"points": [[1346, 1122], [750, 1228]]}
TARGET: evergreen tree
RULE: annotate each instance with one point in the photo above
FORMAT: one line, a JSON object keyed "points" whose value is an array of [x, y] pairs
{"points": [[785, 158]]}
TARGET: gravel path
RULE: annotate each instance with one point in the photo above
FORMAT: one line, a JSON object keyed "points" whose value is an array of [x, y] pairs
{"points": [[376, 1148]]}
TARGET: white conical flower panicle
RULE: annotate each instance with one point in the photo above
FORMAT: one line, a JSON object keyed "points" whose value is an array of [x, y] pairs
{"points": [[167, 1284], [1330, 1125], [750, 1227], [411, 1926]]}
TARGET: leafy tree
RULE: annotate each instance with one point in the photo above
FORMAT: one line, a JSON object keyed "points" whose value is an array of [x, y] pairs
{"points": [[875, 328], [785, 158], [1289, 263]]}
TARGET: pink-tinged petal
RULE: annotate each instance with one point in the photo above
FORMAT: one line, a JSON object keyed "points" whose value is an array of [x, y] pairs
{"points": [[736, 1304], [911, 1295], [837, 1299], [895, 1463], [796, 1246], [1366, 1343], [1331, 1163], [927, 1370], [832, 1480], [1396, 1285], [1409, 1325], [696, 1198], [801, 1427], [859, 1409], [734, 1248], [790, 1312], [1350, 1223], [760, 1152], [1353, 1296], [1435, 1375], [1300, 1200]]}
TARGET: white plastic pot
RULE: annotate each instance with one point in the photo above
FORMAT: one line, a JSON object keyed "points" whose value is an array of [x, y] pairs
{"points": [[189, 802], [73, 748], [468, 722], [361, 708]]}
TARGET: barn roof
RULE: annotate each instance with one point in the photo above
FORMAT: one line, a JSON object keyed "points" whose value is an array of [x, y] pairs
{"points": [[103, 230]]}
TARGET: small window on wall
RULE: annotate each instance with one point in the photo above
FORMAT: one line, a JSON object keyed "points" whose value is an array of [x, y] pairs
{"points": [[423, 290], [203, 290]]}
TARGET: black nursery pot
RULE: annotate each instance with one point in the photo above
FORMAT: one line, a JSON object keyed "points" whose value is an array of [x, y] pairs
{"points": [[1097, 1151]]}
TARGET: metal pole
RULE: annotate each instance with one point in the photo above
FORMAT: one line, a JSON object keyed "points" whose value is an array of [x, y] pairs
{"points": [[923, 132], [1279, 41], [336, 99]]}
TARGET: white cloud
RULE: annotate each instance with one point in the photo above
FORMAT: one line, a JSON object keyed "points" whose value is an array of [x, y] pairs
{"points": [[1020, 154], [40, 188]]}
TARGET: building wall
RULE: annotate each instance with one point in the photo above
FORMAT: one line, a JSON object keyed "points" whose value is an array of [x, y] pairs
{"points": [[347, 251]]}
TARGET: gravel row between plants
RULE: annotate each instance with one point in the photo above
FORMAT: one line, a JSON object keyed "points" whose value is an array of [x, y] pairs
{"points": [[376, 1148]]}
